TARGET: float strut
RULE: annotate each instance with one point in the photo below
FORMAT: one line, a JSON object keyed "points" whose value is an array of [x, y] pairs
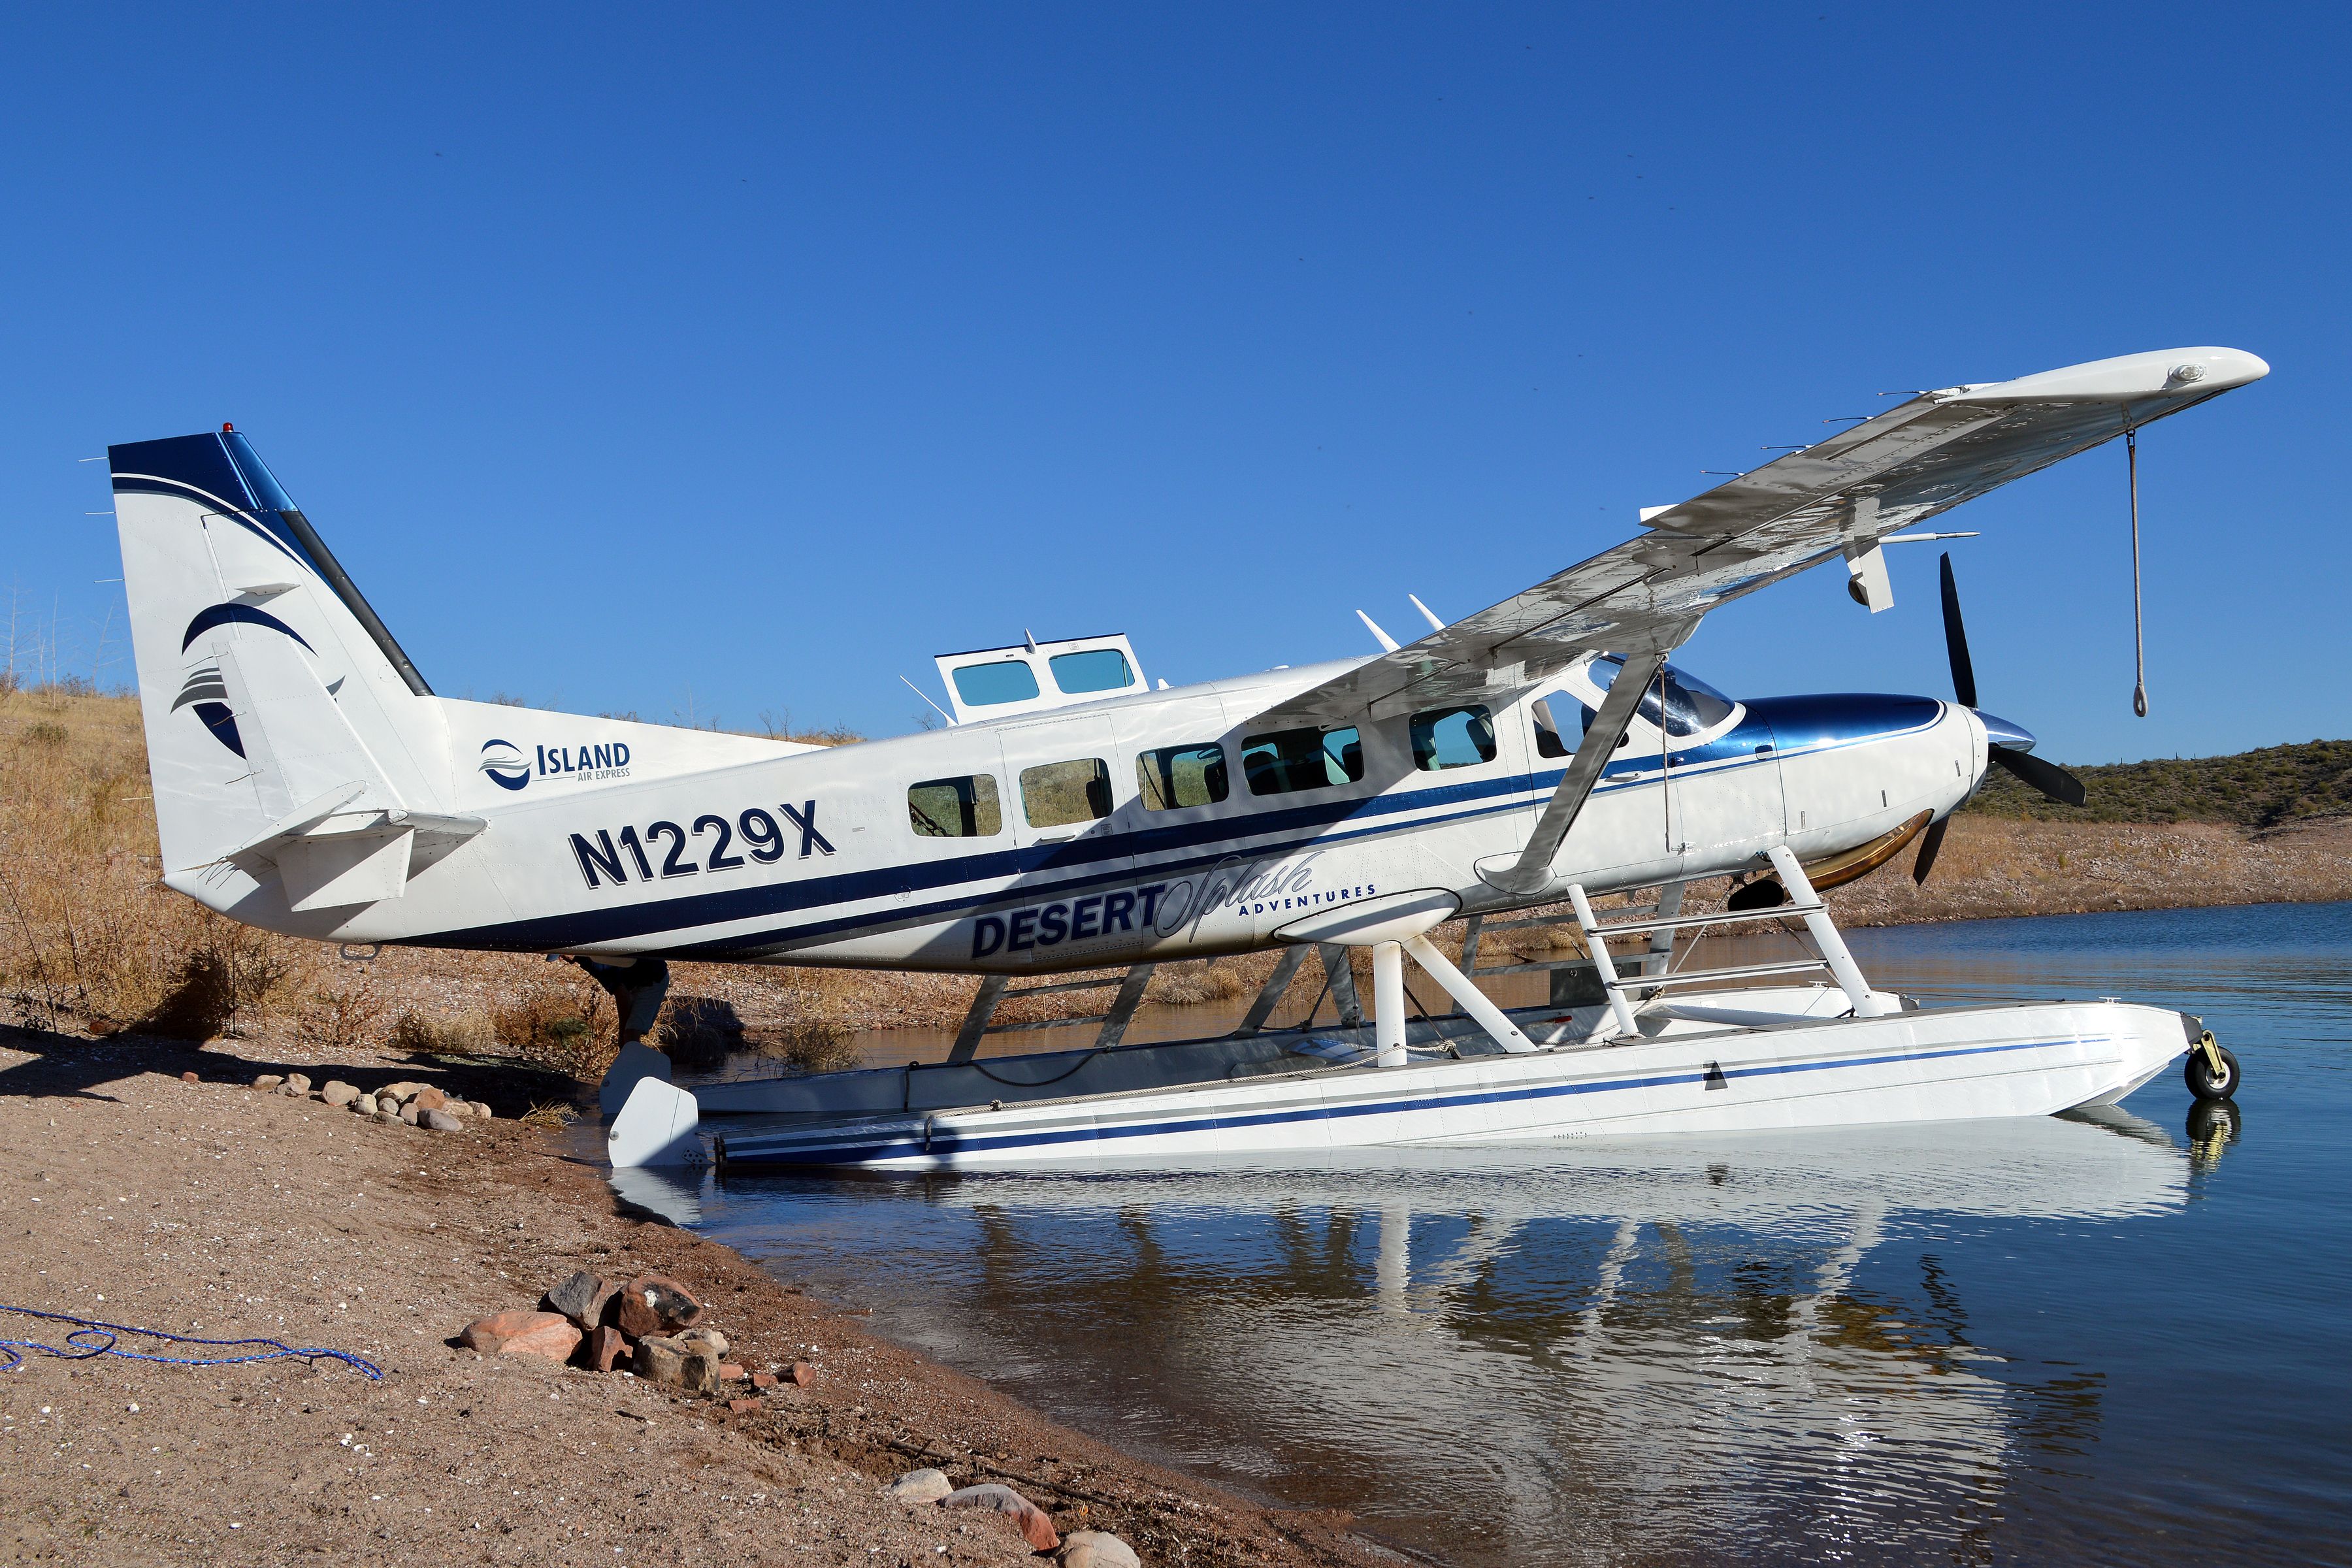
{"points": [[1467, 996], [1825, 932], [1388, 1003]]}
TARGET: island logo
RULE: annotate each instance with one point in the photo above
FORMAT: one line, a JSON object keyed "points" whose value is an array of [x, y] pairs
{"points": [[504, 764]]}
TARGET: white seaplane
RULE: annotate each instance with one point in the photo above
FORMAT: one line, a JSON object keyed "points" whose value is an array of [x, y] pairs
{"points": [[1072, 817]]}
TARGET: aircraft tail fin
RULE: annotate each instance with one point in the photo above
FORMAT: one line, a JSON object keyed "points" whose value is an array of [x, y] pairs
{"points": [[273, 695]]}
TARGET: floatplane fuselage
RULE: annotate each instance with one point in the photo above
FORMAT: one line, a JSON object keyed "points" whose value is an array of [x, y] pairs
{"points": [[1148, 827]]}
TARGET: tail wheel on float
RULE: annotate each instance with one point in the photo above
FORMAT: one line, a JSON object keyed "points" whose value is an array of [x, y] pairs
{"points": [[2211, 1071]]}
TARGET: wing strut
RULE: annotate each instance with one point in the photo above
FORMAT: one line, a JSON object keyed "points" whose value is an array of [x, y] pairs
{"points": [[1532, 870]]}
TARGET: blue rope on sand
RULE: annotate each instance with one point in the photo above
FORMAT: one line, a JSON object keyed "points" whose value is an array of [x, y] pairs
{"points": [[110, 1333]]}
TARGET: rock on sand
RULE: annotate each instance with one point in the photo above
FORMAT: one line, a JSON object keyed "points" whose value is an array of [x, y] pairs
{"points": [[585, 1298], [1096, 1549], [548, 1334], [1037, 1526], [923, 1486]]}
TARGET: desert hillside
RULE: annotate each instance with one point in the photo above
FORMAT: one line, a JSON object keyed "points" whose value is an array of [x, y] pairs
{"points": [[89, 941]]}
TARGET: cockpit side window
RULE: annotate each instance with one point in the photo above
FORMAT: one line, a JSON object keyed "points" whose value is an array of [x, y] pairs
{"points": [[1691, 704], [1559, 724]]}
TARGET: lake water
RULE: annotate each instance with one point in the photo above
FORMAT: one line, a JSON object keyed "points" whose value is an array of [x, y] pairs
{"points": [[2120, 1338]]}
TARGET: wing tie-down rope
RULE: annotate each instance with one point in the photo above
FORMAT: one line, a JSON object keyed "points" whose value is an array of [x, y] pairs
{"points": [[78, 1351], [2139, 642]]}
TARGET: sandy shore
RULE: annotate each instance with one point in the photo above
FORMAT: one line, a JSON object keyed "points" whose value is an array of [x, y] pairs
{"points": [[214, 1210]]}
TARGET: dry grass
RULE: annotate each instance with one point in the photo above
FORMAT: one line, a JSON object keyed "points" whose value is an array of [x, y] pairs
{"points": [[90, 940]]}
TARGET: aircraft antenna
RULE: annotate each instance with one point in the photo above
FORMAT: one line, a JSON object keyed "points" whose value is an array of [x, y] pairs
{"points": [[927, 697], [1426, 613], [2139, 640]]}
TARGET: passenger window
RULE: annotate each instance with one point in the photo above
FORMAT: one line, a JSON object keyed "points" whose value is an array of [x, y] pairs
{"points": [[1559, 725], [1302, 759], [1097, 669], [955, 809], [1181, 775], [983, 685], [1060, 794], [1453, 738]]}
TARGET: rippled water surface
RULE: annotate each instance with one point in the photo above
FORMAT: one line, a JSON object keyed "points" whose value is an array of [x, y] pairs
{"points": [[2121, 1338]]}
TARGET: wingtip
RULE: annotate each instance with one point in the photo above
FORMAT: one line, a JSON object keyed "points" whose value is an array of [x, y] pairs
{"points": [[2128, 378]]}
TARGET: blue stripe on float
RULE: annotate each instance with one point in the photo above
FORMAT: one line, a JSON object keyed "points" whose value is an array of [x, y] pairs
{"points": [[951, 1143]]}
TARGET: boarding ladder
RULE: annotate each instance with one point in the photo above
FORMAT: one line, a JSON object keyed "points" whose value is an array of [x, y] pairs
{"points": [[1664, 924]]}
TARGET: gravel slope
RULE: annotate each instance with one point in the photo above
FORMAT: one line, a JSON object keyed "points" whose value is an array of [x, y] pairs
{"points": [[212, 1209]]}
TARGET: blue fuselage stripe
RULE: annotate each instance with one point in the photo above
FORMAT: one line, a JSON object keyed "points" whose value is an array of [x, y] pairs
{"points": [[1108, 858]]}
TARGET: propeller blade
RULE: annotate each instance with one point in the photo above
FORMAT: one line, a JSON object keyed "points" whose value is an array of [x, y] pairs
{"points": [[1955, 641], [2054, 781], [1929, 843]]}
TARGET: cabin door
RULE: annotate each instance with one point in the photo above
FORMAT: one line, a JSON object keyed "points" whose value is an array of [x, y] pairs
{"points": [[1066, 780]]}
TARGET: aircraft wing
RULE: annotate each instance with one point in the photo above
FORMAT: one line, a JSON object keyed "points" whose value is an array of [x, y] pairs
{"points": [[1832, 500]]}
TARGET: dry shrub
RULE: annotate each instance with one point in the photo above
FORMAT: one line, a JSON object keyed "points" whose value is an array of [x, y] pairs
{"points": [[338, 1018], [467, 1034], [698, 1032], [563, 1024], [1190, 983], [815, 1045], [86, 930], [221, 987]]}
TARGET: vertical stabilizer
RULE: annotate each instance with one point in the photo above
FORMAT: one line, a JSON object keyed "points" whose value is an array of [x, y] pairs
{"points": [[269, 684]]}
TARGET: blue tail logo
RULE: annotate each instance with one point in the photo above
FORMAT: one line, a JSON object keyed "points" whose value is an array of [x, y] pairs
{"points": [[505, 765]]}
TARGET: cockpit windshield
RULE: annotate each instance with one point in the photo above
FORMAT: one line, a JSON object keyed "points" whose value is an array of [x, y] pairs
{"points": [[1691, 704]]}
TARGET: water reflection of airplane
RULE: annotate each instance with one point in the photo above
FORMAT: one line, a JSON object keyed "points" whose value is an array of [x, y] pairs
{"points": [[1609, 1345], [1628, 1343]]}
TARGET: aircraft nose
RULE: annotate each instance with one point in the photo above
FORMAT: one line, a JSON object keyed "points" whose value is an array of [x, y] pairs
{"points": [[2002, 732]]}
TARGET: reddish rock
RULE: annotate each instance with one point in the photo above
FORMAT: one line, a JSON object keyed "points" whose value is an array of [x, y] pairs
{"points": [[765, 1380], [606, 1346], [801, 1374], [548, 1334], [656, 1304], [188, 1076], [741, 1406], [729, 1371], [1035, 1525], [430, 1100]]}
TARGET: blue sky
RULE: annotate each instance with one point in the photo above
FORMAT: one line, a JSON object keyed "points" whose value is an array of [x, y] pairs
{"points": [[738, 364]]}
